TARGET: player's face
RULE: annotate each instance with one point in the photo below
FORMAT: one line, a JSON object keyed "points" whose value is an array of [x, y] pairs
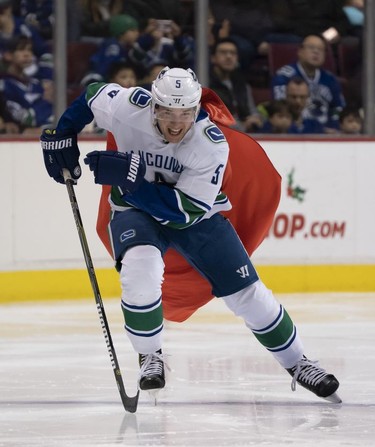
{"points": [[174, 123]]}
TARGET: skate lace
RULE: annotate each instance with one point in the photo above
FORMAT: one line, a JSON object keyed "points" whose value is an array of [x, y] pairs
{"points": [[307, 371], [152, 364]]}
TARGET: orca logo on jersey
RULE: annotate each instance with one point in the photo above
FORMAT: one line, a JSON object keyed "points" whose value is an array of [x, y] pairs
{"points": [[127, 235], [57, 145], [140, 98], [214, 134], [133, 168]]}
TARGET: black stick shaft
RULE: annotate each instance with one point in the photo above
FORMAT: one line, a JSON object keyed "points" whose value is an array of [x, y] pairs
{"points": [[130, 403]]}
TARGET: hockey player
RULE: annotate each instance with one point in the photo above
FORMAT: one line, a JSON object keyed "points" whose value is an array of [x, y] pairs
{"points": [[166, 192]]}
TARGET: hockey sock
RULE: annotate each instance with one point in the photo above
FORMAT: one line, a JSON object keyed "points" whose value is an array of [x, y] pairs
{"points": [[144, 325], [269, 322], [141, 278]]}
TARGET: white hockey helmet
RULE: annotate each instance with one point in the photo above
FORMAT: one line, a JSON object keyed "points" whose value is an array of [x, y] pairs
{"points": [[176, 88]]}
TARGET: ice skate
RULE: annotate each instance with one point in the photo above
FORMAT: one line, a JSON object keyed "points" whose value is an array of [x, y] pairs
{"points": [[314, 378], [152, 378]]}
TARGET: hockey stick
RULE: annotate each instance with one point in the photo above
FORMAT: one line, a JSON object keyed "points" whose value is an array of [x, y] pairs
{"points": [[130, 403]]}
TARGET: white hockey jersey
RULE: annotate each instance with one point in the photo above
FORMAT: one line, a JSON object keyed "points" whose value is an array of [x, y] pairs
{"points": [[195, 166]]}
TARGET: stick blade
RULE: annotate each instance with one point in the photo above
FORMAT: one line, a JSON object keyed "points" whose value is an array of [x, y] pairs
{"points": [[131, 403]]}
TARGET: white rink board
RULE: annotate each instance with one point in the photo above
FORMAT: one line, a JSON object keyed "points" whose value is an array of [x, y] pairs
{"points": [[37, 228], [335, 222]]}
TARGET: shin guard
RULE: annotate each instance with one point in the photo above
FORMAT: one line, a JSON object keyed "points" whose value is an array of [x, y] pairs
{"points": [[141, 279], [269, 322]]}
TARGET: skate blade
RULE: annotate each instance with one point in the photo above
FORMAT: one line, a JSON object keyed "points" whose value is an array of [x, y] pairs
{"points": [[333, 398], [153, 394]]}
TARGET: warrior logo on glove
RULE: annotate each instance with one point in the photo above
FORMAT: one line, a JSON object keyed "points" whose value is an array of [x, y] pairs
{"points": [[114, 168], [133, 168], [56, 145], [60, 151]]}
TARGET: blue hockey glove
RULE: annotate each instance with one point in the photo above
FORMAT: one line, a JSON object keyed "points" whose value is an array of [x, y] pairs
{"points": [[60, 151], [117, 169]]}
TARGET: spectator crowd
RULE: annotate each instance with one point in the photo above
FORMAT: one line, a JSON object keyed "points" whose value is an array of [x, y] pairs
{"points": [[310, 89]]}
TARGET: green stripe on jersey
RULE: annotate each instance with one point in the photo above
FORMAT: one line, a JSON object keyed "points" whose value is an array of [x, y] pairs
{"points": [[186, 206], [92, 89], [116, 198], [189, 208], [192, 211]]}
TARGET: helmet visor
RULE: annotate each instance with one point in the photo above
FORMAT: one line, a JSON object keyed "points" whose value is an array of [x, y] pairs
{"points": [[175, 115]]}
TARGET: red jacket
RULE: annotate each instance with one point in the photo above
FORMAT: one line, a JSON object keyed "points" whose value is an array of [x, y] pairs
{"points": [[253, 186]]}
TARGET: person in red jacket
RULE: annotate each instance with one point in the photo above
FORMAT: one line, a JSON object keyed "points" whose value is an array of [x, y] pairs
{"points": [[168, 194]]}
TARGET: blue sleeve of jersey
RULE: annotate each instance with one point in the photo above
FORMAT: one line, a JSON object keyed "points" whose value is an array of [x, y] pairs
{"points": [[164, 202], [76, 116], [278, 86], [281, 79]]}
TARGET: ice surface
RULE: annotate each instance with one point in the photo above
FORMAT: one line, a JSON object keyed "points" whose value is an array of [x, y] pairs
{"points": [[57, 387]]}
